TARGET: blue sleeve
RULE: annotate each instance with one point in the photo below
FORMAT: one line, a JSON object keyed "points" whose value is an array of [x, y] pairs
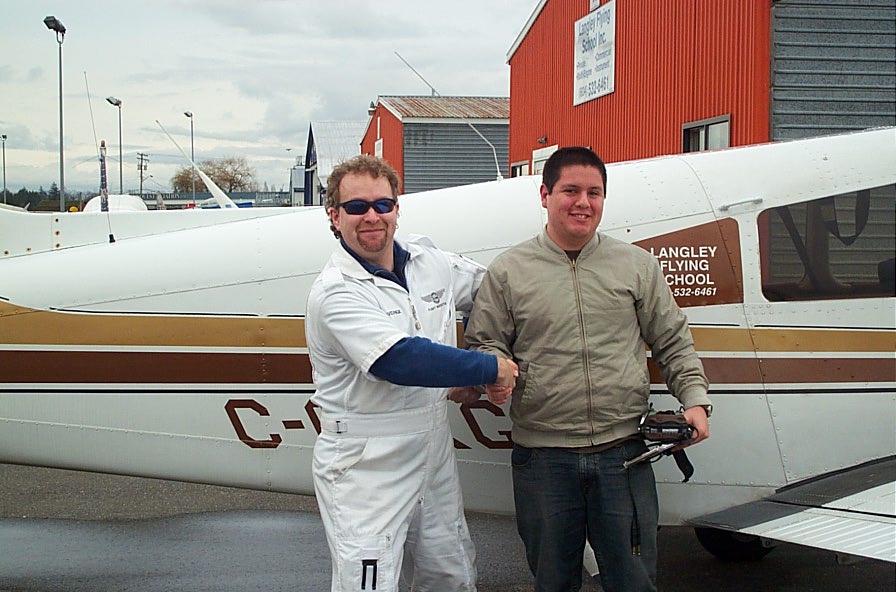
{"points": [[417, 361]]}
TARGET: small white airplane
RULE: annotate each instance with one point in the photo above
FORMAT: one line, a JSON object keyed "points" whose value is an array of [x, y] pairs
{"points": [[178, 351]]}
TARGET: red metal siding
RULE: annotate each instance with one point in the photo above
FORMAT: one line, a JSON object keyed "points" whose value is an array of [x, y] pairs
{"points": [[391, 132], [676, 62]]}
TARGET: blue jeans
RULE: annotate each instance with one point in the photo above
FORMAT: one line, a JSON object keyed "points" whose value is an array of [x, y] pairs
{"points": [[563, 496]]}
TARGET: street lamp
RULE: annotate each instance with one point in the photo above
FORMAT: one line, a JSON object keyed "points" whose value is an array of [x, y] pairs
{"points": [[117, 103], [55, 24], [3, 137], [192, 156]]}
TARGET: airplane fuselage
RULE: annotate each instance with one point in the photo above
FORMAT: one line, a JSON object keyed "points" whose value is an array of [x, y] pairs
{"points": [[178, 351]]}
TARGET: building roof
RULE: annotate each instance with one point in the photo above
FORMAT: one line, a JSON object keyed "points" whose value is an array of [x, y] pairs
{"points": [[334, 142], [430, 107], [522, 35]]}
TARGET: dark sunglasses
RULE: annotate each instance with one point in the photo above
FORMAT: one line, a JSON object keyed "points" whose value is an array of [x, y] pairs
{"points": [[359, 207]]}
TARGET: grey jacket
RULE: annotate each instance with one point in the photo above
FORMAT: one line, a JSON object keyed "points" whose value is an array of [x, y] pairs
{"points": [[578, 331]]}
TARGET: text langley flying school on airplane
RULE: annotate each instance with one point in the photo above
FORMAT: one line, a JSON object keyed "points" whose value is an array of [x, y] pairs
{"points": [[177, 351]]}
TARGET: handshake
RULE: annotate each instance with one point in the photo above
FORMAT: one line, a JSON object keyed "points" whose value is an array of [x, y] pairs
{"points": [[497, 393]]}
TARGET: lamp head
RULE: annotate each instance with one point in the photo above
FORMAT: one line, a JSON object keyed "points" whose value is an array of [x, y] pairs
{"points": [[114, 101], [54, 24], [189, 114]]}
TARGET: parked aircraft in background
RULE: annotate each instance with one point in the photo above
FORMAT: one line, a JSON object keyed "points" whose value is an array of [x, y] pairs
{"points": [[178, 350]]}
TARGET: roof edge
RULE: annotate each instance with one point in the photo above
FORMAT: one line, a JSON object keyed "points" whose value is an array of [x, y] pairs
{"points": [[525, 31]]}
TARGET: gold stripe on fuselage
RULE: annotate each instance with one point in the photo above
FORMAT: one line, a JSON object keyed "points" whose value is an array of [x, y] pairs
{"points": [[53, 346], [26, 326], [20, 325]]}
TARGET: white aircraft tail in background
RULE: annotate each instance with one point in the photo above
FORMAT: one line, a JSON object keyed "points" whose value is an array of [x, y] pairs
{"points": [[150, 357]]}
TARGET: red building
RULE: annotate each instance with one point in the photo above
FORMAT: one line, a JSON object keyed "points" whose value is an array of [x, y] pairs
{"points": [[435, 142], [640, 78]]}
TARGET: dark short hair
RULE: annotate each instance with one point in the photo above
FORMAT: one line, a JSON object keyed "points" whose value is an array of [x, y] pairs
{"points": [[571, 156], [363, 164]]}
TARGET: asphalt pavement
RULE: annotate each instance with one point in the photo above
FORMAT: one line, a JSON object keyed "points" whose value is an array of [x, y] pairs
{"points": [[70, 531]]}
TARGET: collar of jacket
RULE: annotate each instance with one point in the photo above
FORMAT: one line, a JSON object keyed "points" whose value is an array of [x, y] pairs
{"points": [[400, 255], [589, 248]]}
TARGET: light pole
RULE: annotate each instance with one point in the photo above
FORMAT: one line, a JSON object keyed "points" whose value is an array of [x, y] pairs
{"points": [[3, 137], [117, 103], [192, 156], [55, 24]]}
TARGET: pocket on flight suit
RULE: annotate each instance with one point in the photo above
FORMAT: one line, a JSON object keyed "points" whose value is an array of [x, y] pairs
{"points": [[338, 456], [368, 564]]}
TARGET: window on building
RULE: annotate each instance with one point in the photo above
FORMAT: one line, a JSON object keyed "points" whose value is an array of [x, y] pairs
{"points": [[540, 157], [843, 246], [519, 169], [708, 134]]}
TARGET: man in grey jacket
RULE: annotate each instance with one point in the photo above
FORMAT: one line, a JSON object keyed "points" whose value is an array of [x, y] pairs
{"points": [[575, 308]]}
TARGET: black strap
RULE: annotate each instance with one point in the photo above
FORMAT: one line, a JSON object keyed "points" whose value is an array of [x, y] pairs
{"points": [[787, 218], [829, 215], [684, 464]]}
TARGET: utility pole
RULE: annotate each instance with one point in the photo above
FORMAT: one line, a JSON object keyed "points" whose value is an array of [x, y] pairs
{"points": [[56, 25], [142, 165], [3, 137]]}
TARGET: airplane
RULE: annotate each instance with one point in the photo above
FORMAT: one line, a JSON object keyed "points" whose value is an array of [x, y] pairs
{"points": [[178, 351]]}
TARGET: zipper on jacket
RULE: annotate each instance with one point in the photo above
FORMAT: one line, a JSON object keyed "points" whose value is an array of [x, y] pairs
{"points": [[395, 285], [583, 336], [414, 313]]}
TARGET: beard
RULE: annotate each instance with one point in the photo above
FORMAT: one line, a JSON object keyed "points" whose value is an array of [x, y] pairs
{"points": [[373, 242]]}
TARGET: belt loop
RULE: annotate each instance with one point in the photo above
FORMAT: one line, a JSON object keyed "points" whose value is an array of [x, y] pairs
{"points": [[341, 427]]}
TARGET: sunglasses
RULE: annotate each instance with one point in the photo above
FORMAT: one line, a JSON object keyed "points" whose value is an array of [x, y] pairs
{"points": [[359, 207]]}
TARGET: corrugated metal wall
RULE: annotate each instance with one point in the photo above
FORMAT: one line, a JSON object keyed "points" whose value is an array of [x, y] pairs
{"points": [[438, 155], [676, 62], [834, 66]]}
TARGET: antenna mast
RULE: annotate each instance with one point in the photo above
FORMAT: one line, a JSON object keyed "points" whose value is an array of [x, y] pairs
{"points": [[436, 93]]}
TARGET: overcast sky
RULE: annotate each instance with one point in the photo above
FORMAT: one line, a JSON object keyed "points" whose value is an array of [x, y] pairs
{"points": [[254, 73]]}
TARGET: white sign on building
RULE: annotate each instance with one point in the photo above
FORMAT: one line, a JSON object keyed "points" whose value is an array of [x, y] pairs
{"points": [[594, 70]]}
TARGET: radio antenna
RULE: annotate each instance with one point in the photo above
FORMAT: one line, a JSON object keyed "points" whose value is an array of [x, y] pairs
{"points": [[436, 93]]}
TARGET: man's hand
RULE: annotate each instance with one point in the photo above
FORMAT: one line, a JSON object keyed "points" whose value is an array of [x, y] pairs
{"points": [[499, 392], [696, 418], [463, 394], [507, 373]]}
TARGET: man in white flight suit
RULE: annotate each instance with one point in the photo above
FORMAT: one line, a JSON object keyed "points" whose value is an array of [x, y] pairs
{"points": [[381, 335]]}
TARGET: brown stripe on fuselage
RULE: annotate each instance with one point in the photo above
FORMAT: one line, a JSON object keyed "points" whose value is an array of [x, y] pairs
{"points": [[250, 368], [25, 326], [791, 370], [153, 367]]}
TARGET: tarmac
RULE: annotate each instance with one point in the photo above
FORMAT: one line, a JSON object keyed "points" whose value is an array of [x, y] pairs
{"points": [[70, 531]]}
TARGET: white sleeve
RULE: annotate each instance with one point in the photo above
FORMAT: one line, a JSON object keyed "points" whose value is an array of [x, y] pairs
{"points": [[467, 277], [346, 324]]}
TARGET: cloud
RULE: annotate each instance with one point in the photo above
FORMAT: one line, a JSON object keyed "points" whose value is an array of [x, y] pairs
{"points": [[255, 74]]}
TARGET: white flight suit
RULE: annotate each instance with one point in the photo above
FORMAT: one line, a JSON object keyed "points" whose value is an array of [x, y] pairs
{"points": [[384, 468]]}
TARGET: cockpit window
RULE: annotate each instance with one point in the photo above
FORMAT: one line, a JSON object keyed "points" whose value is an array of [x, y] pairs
{"points": [[843, 246]]}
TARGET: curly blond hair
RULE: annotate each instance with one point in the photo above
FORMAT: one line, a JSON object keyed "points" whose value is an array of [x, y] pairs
{"points": [[364, 164]]}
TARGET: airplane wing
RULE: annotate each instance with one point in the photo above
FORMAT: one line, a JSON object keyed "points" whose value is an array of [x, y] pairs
{"points": [[852, 511]]}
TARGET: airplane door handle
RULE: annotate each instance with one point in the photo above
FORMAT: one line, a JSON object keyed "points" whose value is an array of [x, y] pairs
{"points": [[753, 201]]}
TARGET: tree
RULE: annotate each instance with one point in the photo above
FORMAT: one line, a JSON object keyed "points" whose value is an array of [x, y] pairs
{"points": [[230, 173]]}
